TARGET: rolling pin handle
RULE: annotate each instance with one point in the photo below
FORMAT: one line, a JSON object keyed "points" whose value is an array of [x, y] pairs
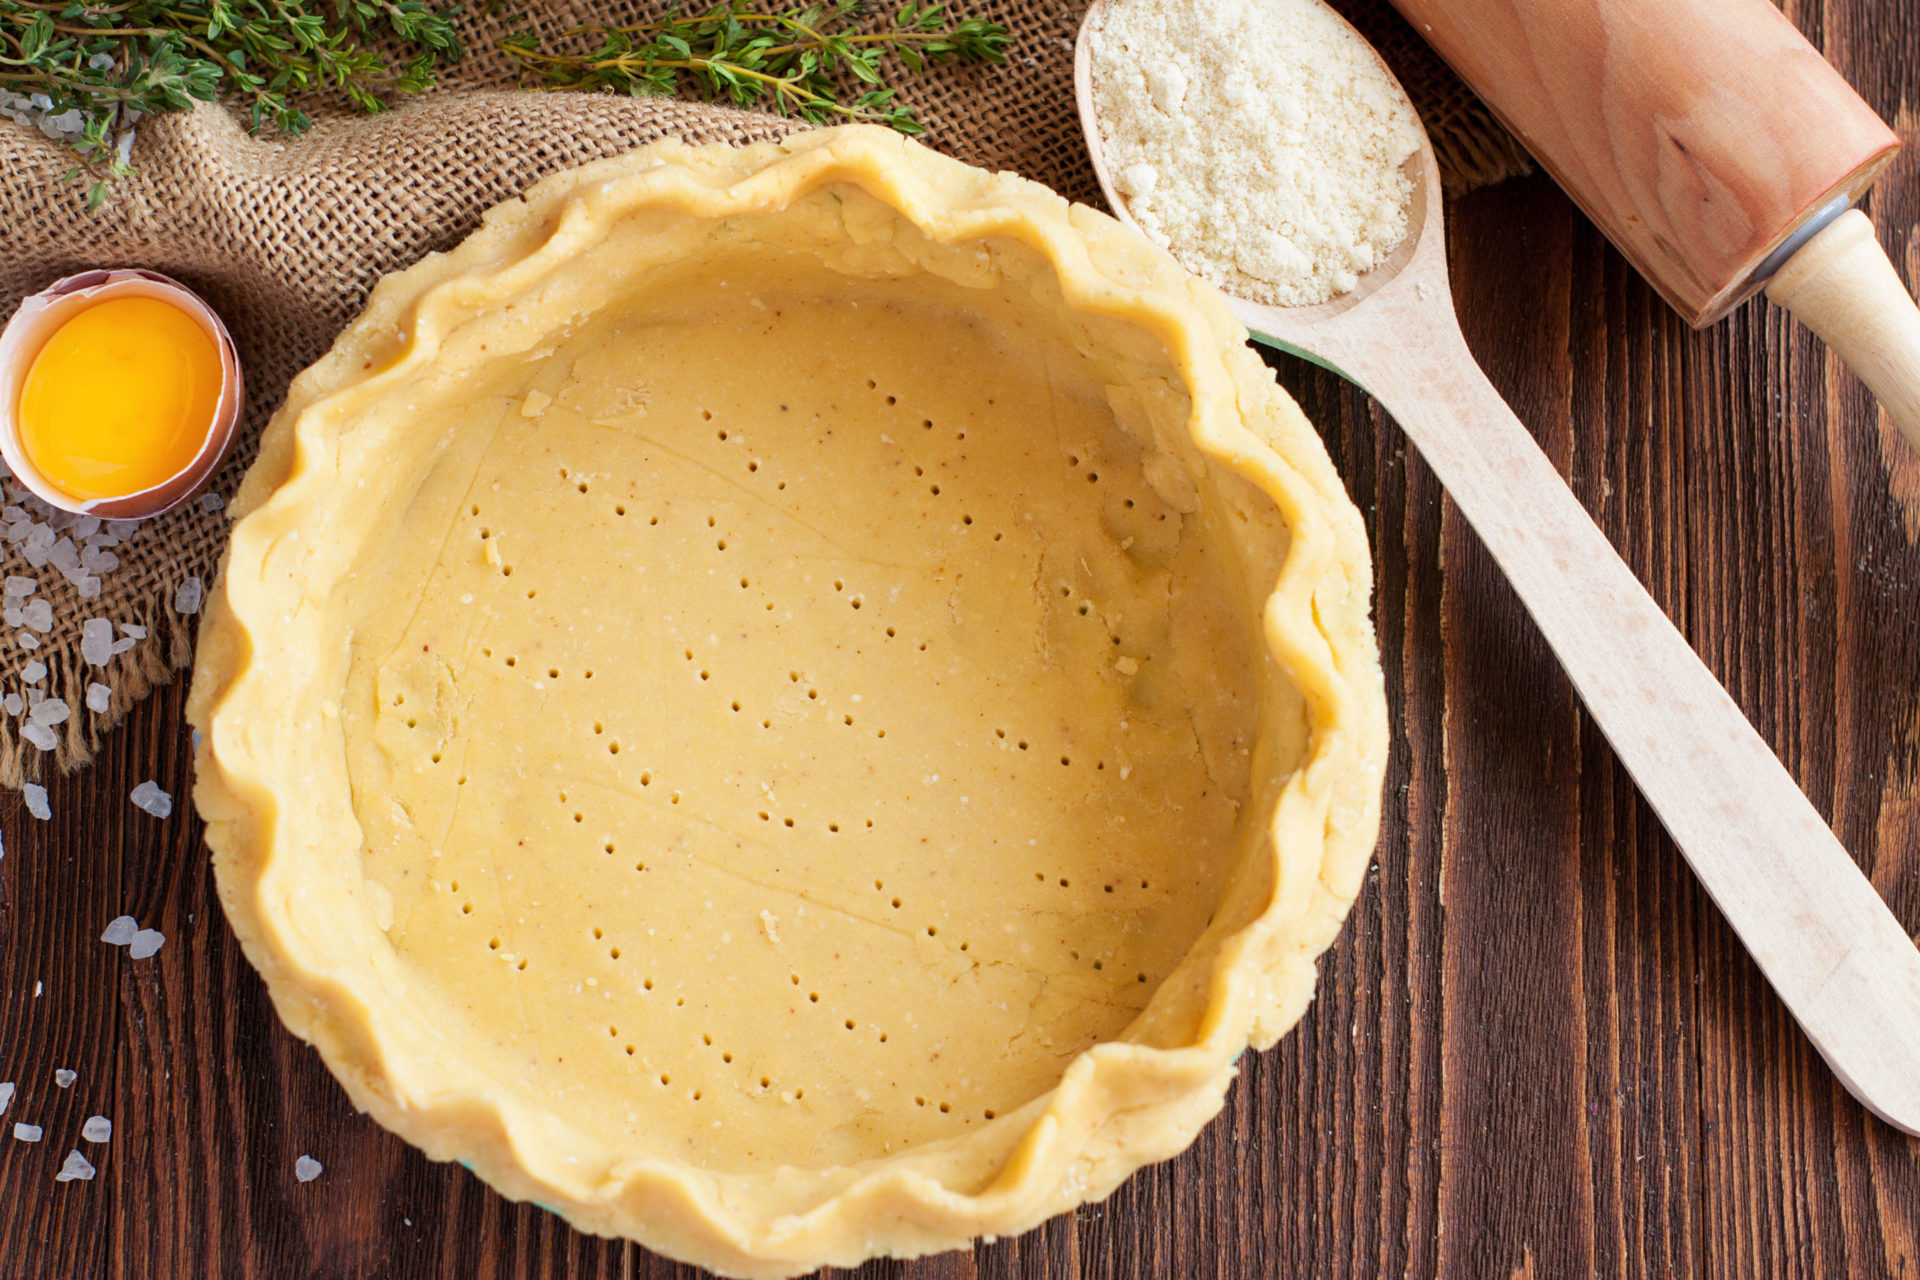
{"points": [[1842, 286]]}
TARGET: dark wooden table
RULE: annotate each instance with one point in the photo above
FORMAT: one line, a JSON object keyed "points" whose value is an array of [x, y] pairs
{"points": [[1537, 1049]]}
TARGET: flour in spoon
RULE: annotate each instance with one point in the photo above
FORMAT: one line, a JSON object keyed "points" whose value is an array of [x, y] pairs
{"points": [[1258, 141]]}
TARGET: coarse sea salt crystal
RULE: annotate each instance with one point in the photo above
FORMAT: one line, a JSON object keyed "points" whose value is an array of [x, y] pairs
{"points": [[65, 1078], [97, 1129], [34, 672], [120, 931], [86, 526], [99, 696], [145, 943], [94, 560], [187, 598], [96, 641], [87, 586], [36, 797], [13, 704], [51, 712], [28, 640], [6, 1097], [38, 614], [212, 501], [122, 529], [306, 1168], [18, 586], [14, 615], [63, 555], [149, 798], [27, 1132], [125, 643], [40, 736], [133, 629], [77, 1169]]}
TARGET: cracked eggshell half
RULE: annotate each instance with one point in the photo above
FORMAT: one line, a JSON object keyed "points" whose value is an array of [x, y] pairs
{"points": [[42, 315]]}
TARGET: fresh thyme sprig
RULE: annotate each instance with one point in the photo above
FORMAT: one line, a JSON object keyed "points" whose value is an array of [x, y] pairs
{"points": [[98, 66], [796, 62], [89, 69]]}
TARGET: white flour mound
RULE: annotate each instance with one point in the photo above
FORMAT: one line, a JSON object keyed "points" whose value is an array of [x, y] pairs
{"points": [[1258, 141]]}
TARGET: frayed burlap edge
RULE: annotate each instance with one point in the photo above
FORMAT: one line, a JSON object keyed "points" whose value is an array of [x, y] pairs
{"points": [[154, 661]]}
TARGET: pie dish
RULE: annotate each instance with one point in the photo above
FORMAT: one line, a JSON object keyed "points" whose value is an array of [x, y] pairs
{"points": [[791, 703]]}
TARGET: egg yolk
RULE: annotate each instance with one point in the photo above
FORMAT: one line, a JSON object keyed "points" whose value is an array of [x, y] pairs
{"points": [[120, 398]]}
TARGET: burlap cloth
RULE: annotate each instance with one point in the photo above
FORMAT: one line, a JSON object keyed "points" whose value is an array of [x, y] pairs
{"points": [[285, 236]]}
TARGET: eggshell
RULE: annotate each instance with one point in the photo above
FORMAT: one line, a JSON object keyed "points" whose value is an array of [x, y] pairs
{"points": [[36, 321]]}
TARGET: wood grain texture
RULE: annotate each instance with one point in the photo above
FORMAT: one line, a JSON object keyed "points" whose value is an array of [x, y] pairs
{"points": [[1697, 133], [1537, 1049]]}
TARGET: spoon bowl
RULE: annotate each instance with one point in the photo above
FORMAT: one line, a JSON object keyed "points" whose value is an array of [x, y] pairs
{"points": [[1297, 330], [1837, 956]]}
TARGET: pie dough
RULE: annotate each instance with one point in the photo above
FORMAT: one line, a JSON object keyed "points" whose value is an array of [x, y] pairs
{"points": [[791, 703]]}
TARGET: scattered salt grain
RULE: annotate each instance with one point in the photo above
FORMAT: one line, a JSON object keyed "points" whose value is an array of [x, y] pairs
{"points": [[51, 712], [40, 736], [38, 614], [97, 1129], [122, 529], [36, 797], [99, 696], [18, 586], [13, 703], [306, 1168], [65, 1078], [27, 1132], [77, 1169], [6, 1097], [28, 640], [212, 501], [149, 798], [120, 931], [122, 645], [187, 598], [34, 672], [96, 641], [63, 555], [86, 526], [145, 943], [133, 629]]}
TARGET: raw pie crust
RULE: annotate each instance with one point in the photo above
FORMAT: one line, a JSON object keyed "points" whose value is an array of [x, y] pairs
{"points": [[791, 703]]}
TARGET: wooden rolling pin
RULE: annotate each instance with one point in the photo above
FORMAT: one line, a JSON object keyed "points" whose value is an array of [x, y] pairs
{"points": [[1714, 146]]}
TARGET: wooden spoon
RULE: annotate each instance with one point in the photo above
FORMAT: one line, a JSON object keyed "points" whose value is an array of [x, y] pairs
{"points": [[1812, 921]]}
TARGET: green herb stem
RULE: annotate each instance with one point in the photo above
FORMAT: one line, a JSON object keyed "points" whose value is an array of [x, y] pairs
{"points": [[828, 59]]}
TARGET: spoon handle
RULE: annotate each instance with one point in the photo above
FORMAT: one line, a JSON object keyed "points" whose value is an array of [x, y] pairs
{"points": [[1813, 922]]}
